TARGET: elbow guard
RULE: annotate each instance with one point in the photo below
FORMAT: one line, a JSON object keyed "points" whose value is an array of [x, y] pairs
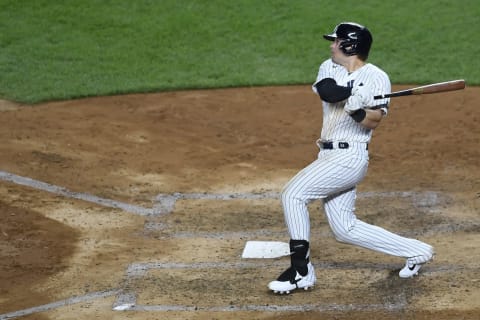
{"points": [[329, 91]]}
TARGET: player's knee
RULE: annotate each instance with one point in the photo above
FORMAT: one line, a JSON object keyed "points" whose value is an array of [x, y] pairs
{"points": [[342, 235], [290, 195]]}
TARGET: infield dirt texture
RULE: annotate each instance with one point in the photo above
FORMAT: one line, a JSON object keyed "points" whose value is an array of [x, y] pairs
{"points": [[145, 202]]}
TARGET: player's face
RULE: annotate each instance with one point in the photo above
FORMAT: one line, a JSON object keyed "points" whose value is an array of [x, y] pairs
{"points": [[337, 54]]}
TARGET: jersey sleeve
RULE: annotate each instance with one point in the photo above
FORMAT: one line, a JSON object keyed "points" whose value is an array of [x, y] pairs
{"points": [[381, 85], [324, 71]]}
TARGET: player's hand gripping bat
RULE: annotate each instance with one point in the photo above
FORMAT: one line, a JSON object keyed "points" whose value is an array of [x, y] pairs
{"points": [[431, 88]]}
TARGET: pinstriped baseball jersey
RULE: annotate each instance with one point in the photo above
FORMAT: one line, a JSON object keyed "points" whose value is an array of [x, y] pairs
{"points": [[334, 175], [337, 124], [342, 162]]}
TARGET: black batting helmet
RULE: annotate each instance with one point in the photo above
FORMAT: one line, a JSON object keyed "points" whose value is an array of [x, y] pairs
{"points": [[357, 39]]}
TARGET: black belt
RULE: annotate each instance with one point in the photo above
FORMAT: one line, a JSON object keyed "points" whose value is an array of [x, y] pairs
{"points": [[341, 145]]}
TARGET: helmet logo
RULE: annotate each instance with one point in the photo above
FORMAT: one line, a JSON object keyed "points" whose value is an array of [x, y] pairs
{"points": [[352, 35]]}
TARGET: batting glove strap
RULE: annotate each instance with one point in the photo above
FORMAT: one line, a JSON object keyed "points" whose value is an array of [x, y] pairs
{"points": [[359, 115]]}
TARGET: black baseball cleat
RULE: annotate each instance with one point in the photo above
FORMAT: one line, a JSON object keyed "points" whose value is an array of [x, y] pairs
{"points": [[291, 279], [300, 275]]}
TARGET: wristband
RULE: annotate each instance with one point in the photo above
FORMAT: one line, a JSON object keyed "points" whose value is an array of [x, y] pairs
{"points": [[359, 115]]}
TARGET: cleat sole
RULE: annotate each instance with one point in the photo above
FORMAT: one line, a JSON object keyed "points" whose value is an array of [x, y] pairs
{"points": [[289, 291]]}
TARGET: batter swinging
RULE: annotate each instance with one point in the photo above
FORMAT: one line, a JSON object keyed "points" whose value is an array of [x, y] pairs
{"points": [[346, 84]]}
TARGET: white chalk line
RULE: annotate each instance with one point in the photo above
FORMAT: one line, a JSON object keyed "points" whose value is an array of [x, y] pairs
{"points": [[58, 304], [140, 269], [165, 203], [127, 299], [39, 185], [270, 308]]}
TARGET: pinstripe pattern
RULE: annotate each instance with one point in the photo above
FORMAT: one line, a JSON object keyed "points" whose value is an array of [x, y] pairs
{"points": [[337, 125], [334, 175], [347, 228]]}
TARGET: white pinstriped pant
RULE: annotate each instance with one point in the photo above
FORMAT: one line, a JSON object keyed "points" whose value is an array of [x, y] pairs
{"points": [[333, 177]]}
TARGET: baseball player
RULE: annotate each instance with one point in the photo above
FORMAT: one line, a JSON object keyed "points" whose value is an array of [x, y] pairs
{"points": [[346, 84]]}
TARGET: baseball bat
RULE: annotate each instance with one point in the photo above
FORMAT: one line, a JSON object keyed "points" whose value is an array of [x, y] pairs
{"points": [[430, 88]]}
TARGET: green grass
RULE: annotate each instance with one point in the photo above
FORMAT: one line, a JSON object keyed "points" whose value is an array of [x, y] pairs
{"points": [[54, 50]]}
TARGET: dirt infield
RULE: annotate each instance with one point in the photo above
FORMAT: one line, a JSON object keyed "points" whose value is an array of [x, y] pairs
{"points": [[145, 202]]}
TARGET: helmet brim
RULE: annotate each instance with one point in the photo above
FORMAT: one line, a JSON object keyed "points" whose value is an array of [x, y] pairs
{"points": [[330, 37]]}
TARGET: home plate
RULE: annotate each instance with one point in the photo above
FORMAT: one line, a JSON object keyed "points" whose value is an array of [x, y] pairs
{"points": [[265, 249]]}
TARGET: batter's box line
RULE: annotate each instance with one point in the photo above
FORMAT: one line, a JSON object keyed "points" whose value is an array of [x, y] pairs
{"points": [[39, 185], [58, 304], [135, 270], [165, 203], [126, 299], [401, 305]]}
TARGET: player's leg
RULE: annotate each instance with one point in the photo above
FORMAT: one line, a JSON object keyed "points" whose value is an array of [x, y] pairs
{"points": [[347, 228], [316, 181]]}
